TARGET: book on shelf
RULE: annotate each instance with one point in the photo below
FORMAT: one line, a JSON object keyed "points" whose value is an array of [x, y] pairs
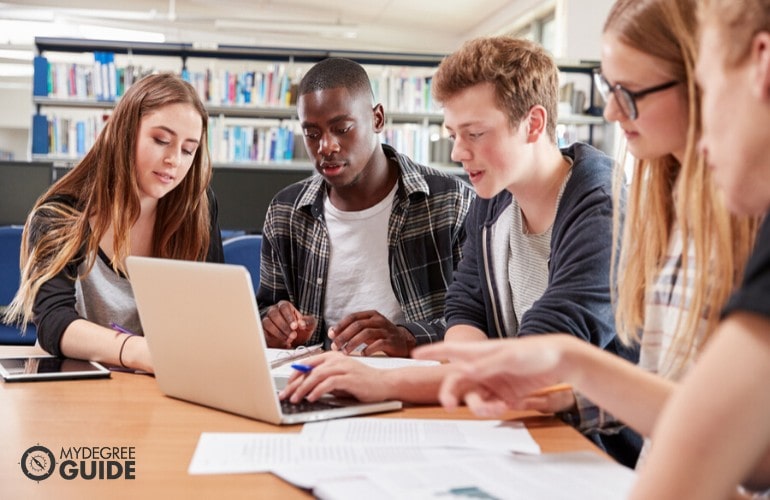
{"points": [[270, 85], [101, 81], [40, 77], [40, 140], [264, 143], [404, 93], [240, 140], [63, 136], [237, 133]]}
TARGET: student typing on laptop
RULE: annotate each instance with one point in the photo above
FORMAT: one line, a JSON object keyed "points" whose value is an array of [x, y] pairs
{"points": [[362, 254], [142, 189]]}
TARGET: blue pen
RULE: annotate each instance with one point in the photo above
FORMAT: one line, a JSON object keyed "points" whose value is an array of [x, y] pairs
{"points": [[120, 329], [302, 368]]}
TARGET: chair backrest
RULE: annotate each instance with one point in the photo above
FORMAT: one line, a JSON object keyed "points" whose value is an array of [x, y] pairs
{"points": [[10, 246], [246, 251]]}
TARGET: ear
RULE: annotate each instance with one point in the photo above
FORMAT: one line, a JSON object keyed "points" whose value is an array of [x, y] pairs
{"points": [[379, 118], [760, 60], [536, 121]]}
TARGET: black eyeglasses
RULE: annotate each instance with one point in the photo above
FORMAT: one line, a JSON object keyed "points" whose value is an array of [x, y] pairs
{"points": [[625, 98]]}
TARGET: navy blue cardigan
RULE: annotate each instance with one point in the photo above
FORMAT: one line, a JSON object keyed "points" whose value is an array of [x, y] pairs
{"points": [[577, 299]]}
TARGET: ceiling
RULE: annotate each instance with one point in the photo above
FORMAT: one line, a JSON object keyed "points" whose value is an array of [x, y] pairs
{"points": [[387, 25]]}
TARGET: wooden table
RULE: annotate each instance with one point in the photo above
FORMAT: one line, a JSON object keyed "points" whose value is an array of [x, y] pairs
{"points": [[129, 410]]}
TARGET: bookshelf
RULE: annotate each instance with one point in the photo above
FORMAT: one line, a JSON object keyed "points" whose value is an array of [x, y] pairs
{"points": [[589, 113], [252, 114], [244, 186], [247, 91]]}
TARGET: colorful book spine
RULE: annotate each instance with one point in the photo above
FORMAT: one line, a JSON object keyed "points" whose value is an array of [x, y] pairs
{"points": [[40, 76]]}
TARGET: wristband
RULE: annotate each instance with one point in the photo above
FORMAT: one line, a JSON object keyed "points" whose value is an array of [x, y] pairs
{"points": [[122, 346]]}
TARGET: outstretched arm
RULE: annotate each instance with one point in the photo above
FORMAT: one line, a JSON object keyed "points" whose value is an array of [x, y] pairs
{"points": [[334, 372], [716, 431], [501, 374]]}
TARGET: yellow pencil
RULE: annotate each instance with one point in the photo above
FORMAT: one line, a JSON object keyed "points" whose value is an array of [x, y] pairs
{"points": [[551, 389]]}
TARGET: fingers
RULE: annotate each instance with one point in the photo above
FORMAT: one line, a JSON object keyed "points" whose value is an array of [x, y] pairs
{"points": [[286, 327], [452, 389], [459, 386], [337, 374], [274, 336], [344, 334], [317, 382], [483, 403], [355, 333], [532, 358], [489, 395], [306, 327], [549, 403]]}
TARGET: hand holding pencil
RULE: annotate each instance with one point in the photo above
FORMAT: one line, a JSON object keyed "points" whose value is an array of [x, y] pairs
{"points": [[493, 376], [286, 327]]}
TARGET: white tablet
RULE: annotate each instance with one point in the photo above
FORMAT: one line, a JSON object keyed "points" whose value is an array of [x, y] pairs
{"points": [[30, 368]]}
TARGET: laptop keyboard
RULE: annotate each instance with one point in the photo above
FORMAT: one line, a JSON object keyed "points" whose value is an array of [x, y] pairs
{"points": [[289, 408]]}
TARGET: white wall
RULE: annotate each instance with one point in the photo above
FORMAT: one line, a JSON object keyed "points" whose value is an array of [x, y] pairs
{"points": [[16, 105], [15, 119], [15, 140], [579, 28]]}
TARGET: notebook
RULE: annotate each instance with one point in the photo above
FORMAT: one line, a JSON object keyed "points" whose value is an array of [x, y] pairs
{"points": [[205, 337]]}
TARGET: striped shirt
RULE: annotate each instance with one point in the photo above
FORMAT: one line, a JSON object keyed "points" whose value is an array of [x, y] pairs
{"points": [[658, 353], [664, 300], [425, 237]]}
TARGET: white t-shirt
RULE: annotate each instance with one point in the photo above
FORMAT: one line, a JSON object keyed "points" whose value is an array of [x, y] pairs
{"points": [[359, 274]]}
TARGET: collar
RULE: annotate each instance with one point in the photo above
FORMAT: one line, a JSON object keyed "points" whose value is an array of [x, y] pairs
{"points": [[411, 181]]}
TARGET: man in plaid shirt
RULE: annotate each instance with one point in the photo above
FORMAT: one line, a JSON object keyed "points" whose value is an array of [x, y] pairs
{"points": [[360, 256]]}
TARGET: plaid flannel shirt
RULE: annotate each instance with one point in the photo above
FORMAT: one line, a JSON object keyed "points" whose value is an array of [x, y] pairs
{"points": [[425, 238], [657, 355]]}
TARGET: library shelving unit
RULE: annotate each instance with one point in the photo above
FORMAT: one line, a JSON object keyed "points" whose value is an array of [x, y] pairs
{"points": [[232, 97], [590, 113], [248, 94]]}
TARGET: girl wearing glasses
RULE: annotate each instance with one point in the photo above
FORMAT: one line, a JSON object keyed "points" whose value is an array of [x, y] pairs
{"points": [[696, 455], [681, 252]]}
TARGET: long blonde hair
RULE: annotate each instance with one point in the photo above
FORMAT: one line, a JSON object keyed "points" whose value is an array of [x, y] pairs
{"points": [[70, 219], [665, 194]]}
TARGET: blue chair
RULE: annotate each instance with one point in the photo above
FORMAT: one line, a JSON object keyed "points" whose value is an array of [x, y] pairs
{"points": [[246, 251], [10, 246]]}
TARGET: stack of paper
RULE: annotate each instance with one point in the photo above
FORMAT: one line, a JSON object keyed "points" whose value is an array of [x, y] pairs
{"points": [[558, 476], [414, 458], [358, 441]]}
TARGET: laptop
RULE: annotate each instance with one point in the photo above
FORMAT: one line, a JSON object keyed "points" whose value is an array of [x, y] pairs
{"points": [[205, 337]]}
